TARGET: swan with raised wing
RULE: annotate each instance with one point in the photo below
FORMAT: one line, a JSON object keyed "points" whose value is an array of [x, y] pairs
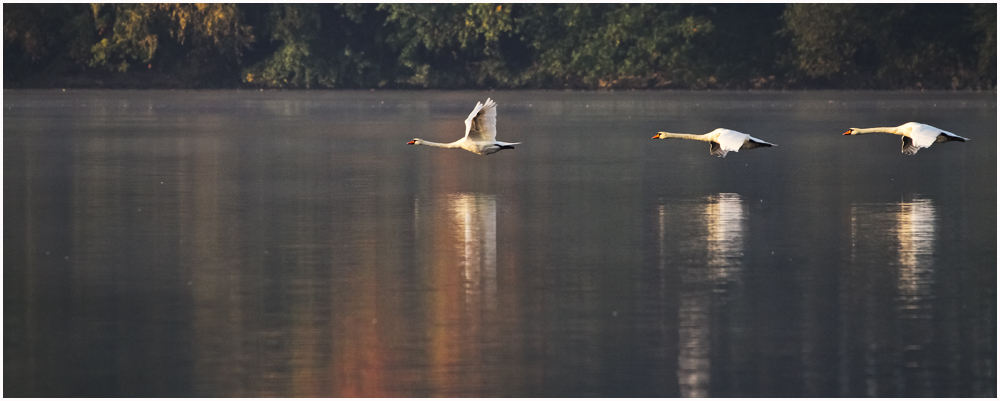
{"points": [[722, 140], [916, 136], [480, 132]]}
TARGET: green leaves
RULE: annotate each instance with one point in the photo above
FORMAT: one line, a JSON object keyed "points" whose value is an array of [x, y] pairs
{"points": [[450, 44], [600, 45], [296, 27], [53, 36], [132, 33], [321, 45], [891, 45], [520, 45]]}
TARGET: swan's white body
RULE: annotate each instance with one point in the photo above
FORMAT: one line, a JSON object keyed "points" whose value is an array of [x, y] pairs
{"points": [[480, 132], [916, 136], [722, 140]]}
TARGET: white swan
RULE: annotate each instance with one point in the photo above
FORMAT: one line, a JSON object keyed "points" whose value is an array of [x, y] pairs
{"points": [[722, 140], [915, 135], [480, 132]]}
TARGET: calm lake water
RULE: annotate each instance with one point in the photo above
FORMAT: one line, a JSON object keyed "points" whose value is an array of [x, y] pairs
{"points": [[257, 244]]}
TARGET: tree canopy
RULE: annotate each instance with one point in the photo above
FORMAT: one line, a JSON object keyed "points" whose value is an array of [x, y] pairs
{"points": [[585, 46]]}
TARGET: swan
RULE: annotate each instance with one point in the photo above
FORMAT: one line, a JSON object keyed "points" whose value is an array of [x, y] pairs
{"points": [[722, 140], [915, 135], [480, 132]]}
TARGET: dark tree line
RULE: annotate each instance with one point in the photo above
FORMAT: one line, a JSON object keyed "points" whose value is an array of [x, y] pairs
{"points": [[697, 46]]}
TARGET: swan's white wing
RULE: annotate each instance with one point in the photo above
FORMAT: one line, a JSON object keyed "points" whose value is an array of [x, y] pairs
{"points": [[481, 126], [468, 121], [731, 141], [923, 135]]}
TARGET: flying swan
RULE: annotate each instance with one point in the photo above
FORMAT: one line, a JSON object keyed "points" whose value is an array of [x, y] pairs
{"points": [[722, 140], [480, 132], [916, 136]]}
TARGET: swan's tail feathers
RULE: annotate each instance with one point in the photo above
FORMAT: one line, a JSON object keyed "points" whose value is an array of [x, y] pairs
{"points": [[947, 136], [757, 143], [908, 147]]}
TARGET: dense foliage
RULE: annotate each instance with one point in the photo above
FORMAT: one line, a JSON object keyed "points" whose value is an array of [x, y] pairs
{"points": [[879, 46]]}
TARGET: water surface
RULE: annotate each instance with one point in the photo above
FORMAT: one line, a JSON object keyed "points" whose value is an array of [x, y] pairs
{"points": [[284, 243]]}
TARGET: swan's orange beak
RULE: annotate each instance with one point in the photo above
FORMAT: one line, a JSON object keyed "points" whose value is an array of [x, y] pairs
{"points": [[411, 143], [657, 136], [848, 132]]}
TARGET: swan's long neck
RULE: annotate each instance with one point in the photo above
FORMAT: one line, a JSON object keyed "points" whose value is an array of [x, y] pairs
{"points": [[683, 136], [452, 145], [888, 130]]}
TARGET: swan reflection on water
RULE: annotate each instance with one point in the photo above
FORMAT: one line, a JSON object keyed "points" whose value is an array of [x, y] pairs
{"points": [[476, 219], [908, 231], [460, 231], [909, 228], [463, 231], [708, 262], [915, 232]]}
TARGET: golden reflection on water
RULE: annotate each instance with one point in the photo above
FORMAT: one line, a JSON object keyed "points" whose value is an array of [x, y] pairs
{"points": [[909, 228], [463, 264], [726, 222], [476, 217], [712, 258], [915, 232], [896, 347]]}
